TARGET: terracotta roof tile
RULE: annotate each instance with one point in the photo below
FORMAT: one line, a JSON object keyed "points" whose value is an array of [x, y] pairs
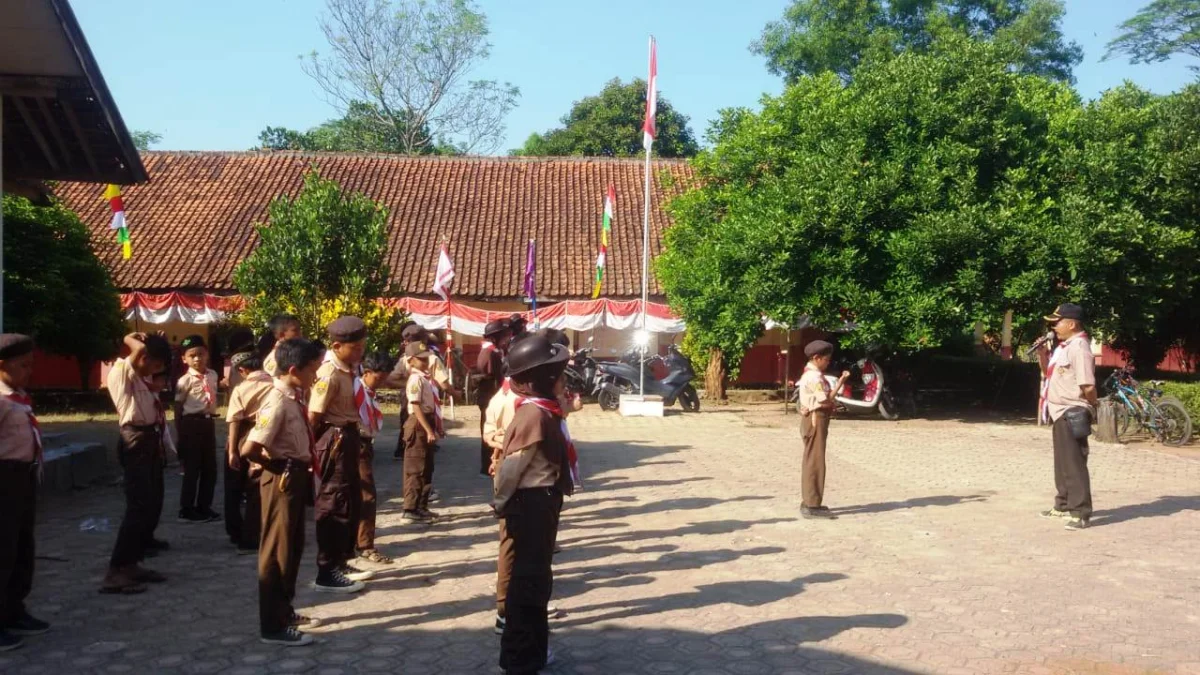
{"points": [[193, 222]]}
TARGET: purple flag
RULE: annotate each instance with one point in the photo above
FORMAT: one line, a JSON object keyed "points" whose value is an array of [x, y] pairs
{"points": [[531, 271]]}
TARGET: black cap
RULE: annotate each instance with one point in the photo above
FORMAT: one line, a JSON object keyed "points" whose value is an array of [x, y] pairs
{"points": [[413, 332], [532, 352], [817, 347], [13, 345], [192, 341], [1066, 311], [347, 329], [416, 350], [496, 327], [239, 358]]}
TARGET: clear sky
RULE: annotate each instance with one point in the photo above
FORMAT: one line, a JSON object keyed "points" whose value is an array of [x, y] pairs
{"points": [[211, 75]]}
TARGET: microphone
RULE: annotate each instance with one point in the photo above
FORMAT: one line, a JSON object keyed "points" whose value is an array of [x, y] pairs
{"points": [[1037, 344]]}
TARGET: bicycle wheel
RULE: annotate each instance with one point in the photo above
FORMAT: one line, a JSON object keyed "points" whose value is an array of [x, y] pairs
{"points": [[1125, 420], [1174, 422]]}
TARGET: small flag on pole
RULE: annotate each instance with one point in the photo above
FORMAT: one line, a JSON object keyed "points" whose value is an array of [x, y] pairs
{"points": [[610, 201], [112, 193], [531, 279], [444, 276], [648, 130]]}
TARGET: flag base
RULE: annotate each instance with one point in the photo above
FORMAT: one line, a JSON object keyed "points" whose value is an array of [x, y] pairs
{"points": [[633, 405]]}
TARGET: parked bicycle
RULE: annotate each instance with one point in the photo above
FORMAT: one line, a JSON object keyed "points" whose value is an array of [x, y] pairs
{"points": [[1143, 407]]}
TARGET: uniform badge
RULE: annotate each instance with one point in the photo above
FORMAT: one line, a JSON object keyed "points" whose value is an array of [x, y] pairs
{"points": [[264, 421], [321, 387]]}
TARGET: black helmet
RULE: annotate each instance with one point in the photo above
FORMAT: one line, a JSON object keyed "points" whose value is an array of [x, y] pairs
{"points": [[532, 352], [495, 327]]}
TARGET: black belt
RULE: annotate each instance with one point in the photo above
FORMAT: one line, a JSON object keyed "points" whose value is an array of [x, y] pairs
{"points": [[141, 427], [205, 416], [282, 466]]}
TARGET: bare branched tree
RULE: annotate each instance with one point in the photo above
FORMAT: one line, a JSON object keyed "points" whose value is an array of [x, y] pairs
{"points": [[411, 60]]}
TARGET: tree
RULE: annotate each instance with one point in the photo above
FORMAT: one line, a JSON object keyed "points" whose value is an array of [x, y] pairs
{"points": [[610, 125], [410, 60], [362, 129], [54, 284], [816, 36], [144, 140], [1158, 31], [321, 255]]}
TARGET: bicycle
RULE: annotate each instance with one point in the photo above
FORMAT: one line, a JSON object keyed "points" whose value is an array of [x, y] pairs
{"points": [[1163, 417]]}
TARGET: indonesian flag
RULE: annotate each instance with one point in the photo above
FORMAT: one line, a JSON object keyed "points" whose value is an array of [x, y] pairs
{"points": [[610, 201], [444, 276], [112, 194], [648, 131]]}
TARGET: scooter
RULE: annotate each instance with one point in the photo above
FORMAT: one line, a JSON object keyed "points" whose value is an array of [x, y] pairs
{"points": [[622, 377], [866, 389], [583, 374]]}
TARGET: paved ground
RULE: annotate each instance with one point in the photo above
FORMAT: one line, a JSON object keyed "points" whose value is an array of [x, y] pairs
{"points": [[685, 554]]}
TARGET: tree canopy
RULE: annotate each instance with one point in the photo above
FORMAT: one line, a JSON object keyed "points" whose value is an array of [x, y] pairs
{"points": [[610, 125], [817, 36], [362, 129], [1159, 31]]}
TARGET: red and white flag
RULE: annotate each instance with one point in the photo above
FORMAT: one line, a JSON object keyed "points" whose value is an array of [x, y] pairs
{"points": [[444, 276], [648, 131]]}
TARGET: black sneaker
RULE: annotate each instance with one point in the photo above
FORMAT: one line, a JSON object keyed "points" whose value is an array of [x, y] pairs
{"points": [[290, 637], [191, 516], [426, 513], [9, 641], [814, 512], [27, 625], [209, 515], [499, 630], [334, 581], [301, 621], [354, 574], [157, 545]]}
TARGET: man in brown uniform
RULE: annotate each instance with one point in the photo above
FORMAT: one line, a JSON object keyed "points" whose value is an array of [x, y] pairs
{"points": [[20, 465], [489, 368], [421, 433], [281, 442], [816, 404], [1069, 390], [334, 419], [245, 402]]}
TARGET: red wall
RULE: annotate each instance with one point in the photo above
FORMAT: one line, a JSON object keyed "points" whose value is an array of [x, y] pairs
{"points": [[1174, 362], [51, 371]]}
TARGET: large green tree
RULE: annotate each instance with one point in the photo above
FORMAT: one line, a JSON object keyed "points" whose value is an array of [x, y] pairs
{"points": [[1159, 31], [55, 288], [362, 129], [610, 125], [816, 36]]}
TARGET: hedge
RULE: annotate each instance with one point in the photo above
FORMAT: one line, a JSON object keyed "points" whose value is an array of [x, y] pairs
{"points": [[1189, 394]]}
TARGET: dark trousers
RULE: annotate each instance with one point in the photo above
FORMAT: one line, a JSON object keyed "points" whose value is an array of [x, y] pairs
{"points": [[418, 466], [337, 501], [241, 492], [366, 481], [280, 547], [1071, 477], [198, 454], [18, 495], [140, 452], [403, 421], [485, 450], [814, 428], [531, 521], [504, 567]]}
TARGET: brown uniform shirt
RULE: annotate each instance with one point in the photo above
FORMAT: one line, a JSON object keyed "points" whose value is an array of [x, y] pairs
{"points": [[197, 393], [282, 426], [333, 393], [498, 416], [1074, 367], [248, 398], [490, 366], [535, 455], [419, 392], [269, 364], [814, 389], [17, 439], [134, 401]]}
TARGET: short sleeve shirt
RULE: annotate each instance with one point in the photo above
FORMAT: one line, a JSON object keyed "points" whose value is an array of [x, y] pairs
{"points": [[269, 364], [282, 426], [333, 393], [249, 397], [197, 392], [814, 388], [16, 429], [499, 414], [419, 392], [134, 401], [1075, 367]]}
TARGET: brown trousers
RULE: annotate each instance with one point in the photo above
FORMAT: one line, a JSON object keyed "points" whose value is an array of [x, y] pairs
{"points": [[242, 528], [18, 500], [140, 452], [418, 465], [336, 507], [198, 454], [281, 546], [531, 521], [485, 450], [1071, 478], [814, 427], [366, 481], [504, 565]]}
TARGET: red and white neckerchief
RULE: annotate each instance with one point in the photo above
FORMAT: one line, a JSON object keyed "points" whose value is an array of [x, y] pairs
{"points": [[555, 409], [1058, 358], [210, 397], [507, 386], [25, 405], [368, 408], [439, 424]]}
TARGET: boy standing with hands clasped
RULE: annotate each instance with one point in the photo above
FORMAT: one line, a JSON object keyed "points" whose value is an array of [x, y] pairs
{"points": [[195, 408], [245, 402], [816, 405], [376, 368], [422, 431]]}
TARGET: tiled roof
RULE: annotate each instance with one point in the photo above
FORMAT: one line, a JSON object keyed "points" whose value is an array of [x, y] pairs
{"points": [[193, 222]]}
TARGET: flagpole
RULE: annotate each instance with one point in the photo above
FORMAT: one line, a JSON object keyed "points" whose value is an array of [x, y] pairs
{"points": [[645, 273]]}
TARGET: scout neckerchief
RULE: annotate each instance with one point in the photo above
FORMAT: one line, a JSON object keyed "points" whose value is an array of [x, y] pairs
{"points": [[1058, 358], [25, 405], [507, 386], [368, 408], [553, 407], [438, 424], [209, 398]]}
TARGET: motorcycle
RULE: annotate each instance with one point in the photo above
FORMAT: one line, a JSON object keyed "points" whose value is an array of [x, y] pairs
{"points": [[866, 390], [583, 374], [620, 378]]}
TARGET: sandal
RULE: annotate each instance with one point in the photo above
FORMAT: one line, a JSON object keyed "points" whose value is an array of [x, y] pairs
{"points": [[375, 556]]}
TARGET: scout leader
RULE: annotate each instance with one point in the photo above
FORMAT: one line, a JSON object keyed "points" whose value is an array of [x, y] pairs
{"points": [[375, 370], [334, 419], [490, 368], [282, 443], [530, 483], [20, 466], [195, 409], [421, 433], [816, 405], [133, 384], [245, 403]]}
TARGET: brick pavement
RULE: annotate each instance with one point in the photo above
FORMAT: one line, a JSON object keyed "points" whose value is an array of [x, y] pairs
{"points": [[685, 554]]}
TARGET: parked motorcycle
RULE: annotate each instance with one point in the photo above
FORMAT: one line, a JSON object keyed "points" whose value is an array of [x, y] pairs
{"points": [[866, 390], [583, 374], [617, 379]]}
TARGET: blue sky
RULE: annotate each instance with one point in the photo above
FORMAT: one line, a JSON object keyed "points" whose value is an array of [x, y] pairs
{"points": [[211, 75]]}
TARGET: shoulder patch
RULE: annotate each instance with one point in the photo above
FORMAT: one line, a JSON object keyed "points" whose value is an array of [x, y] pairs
{"points": [[321, 386], [264, 420]]}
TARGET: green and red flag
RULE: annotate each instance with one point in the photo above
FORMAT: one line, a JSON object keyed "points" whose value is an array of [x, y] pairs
{"points": [[610, 201]]}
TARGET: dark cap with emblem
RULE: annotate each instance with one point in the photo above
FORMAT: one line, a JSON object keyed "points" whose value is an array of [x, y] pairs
{"points": [[347, 329], [13, 345], [533, 352], [412, 332], [817, 348], [239, 358], [416, 350], [496, 327], [192, 341], [1066, 311]]}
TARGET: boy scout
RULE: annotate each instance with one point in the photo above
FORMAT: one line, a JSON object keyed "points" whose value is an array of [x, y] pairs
{"points": [[141, 451], [195, 408], [281, 327], [489, 367], [421, 434], [409, 333], [375, 369], [20, 464], [816, 404], [245, 402], [281, 442], [334, 420]]}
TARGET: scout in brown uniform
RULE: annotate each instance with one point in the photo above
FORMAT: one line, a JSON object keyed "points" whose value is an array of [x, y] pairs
{"points": [[530, 484], [816, 405], [334, 419], [489, 367], [421, 434], [20, 463], [132, 383], [195, 409], [375, 370], [245, 402], [281, 442], [281, 327]]}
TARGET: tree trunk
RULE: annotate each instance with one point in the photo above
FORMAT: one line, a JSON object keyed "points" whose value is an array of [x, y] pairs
{"points": [[1106, 422], [715, 376]]}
